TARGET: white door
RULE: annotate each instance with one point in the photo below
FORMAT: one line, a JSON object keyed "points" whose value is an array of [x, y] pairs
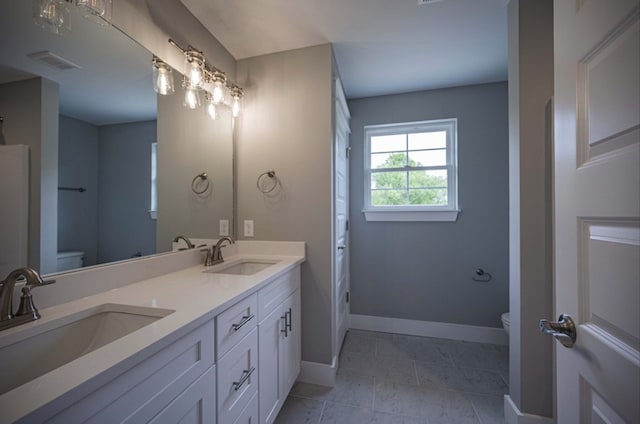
{"points": [[597, 206], [341, 216]]}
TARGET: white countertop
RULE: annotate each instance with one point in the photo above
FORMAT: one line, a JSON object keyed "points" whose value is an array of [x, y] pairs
{"points": [[194, 295]]}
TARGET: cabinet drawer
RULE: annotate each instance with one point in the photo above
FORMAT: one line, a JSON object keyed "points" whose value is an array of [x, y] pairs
{"points": [[250, 413], [140, 393], [235, 323], [273, 294], [237, 378], [196, 405]]}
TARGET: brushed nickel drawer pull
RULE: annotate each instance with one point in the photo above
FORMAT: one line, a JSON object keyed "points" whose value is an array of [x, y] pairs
{"points": [[245, 376], [245, 320]]}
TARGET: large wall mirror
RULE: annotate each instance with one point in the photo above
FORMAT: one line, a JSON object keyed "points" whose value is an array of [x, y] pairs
{"points": [[116, 145]]}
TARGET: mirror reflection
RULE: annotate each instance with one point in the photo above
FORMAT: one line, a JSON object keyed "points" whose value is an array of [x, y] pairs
{"points": [[110, 164]]}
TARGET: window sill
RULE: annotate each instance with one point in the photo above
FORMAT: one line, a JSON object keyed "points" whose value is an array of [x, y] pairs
{"points": [[153, 214], [411, 216]]}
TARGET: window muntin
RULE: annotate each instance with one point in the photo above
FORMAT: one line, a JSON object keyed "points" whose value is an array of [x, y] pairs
{"points": [[411, 167]]}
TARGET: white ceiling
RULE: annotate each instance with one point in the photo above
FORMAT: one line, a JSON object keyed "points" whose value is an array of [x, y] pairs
{"points": [[381, 46]]}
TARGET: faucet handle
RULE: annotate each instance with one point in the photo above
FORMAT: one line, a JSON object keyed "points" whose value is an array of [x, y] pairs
{"points": [[26, 304]]}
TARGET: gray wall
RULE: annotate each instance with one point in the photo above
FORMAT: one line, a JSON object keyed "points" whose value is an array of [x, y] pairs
{"points": [[30, 109], [78, 167], [530, 218], [189, 142], [423, 270], [124, 191], [286, 126]]}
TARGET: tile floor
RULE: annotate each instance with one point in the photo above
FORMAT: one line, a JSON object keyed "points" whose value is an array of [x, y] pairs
{"points": [[394, 379]]}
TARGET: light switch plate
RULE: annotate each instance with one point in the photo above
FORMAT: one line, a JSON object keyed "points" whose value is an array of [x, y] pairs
{"points": [[248, 227], [224, 227]]}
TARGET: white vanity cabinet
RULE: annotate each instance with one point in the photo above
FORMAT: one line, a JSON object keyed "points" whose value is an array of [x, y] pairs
{"points": [[235, 369], [177, 381], [278, 343]]}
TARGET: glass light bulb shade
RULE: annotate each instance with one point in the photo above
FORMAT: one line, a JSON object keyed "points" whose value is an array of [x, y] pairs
{"points": [[52, 15], [194, 68], [191, 98], [211, 111], [235, 108], [97, 11], [218, 92], [163, 79]]}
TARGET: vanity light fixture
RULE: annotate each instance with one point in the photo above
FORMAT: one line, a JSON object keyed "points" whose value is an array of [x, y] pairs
{"points": [[162, 77], [191, 96], [200, 79], [98, 11], [219, 87], [54, 15], [211, 106], [194, 68], [236, 94]]}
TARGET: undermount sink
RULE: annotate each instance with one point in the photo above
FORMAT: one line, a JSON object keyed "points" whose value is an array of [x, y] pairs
{"points": [[244, 267], [40, 349]]}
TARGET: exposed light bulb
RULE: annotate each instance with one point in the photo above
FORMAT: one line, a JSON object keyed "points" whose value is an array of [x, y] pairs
{"points": [[211, 111], [235, 109], [191, 98], [218, 93], [195, 76], [194, 68], [162, 77]]}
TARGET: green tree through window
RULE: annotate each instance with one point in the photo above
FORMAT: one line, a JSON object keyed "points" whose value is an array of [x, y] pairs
{"points": [[406, 186]]}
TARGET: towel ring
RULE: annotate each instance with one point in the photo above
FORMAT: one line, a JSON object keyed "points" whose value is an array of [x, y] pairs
{"points": [[260, 183], [197, 179]]}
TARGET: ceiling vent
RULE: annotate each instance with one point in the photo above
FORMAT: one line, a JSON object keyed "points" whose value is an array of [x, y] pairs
{"points": [[53, 60], [421, 2]]}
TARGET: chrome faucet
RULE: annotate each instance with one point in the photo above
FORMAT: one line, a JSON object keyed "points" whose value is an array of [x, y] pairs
{"points": [[27, 311], [186, 240], [214, 255]]}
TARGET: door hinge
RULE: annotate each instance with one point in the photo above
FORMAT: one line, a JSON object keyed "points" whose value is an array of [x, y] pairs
{"points": [[347, 297], [347, 225], [348, 151]]}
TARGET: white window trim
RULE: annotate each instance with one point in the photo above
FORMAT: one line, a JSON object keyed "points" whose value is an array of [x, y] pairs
{"points": [[447, 213]]}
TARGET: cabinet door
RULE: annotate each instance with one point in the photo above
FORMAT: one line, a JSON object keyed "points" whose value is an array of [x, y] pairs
{"points": [[290, 350], [270, 342], [196, 405]]}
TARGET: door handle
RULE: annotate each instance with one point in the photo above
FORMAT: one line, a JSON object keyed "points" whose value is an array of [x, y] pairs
{"points": [[564, 330], [341, 247]]}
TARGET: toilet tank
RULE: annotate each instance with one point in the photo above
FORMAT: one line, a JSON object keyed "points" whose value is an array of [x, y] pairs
{"points": [[70, 260]]}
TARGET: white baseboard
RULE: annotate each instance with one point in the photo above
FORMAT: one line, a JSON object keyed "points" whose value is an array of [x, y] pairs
{"points": [[469, 333], [317, 373], [512, 414]]}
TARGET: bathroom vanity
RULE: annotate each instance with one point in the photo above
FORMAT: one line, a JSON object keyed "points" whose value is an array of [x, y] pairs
{"points": [[196, 345]]}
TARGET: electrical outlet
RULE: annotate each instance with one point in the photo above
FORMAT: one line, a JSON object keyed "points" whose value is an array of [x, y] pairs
{"points": [[248, 227], [224, 227]]}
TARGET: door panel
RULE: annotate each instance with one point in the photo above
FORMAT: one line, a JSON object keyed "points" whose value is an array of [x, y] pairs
{"points": [[341, 215], [597, 208]]}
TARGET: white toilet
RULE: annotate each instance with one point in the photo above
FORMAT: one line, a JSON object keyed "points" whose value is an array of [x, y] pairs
{"points": [[70, 260], [506, 321]]}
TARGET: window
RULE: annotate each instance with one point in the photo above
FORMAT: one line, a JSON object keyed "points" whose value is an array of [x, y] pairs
{"points": [[153, 210], [411, 171]]}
